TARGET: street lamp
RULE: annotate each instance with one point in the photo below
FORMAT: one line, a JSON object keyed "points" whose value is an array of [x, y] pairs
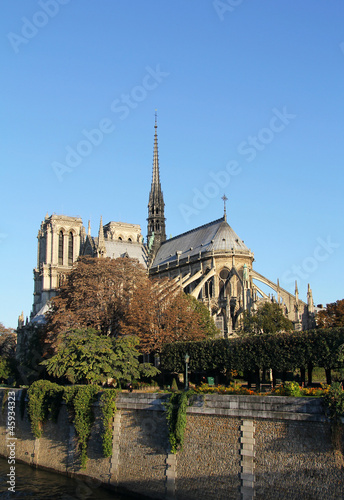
{"points": [[187, 359]]}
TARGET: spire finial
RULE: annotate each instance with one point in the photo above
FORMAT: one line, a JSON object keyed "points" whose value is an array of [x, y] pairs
{"points": [[224, 198], [156, 118]]}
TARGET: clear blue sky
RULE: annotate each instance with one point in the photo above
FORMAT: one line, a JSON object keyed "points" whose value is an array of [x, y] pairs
{"points": [[256, 88]]}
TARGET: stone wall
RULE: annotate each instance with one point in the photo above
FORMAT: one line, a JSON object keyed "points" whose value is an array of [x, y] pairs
{"points": [[236, 447]]}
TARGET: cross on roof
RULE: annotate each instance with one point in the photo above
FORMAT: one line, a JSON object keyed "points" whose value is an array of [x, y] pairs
{"points": [[224, 198]]}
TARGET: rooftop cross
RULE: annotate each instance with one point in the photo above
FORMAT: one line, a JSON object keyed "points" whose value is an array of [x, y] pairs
{"points": [[224, 198]]}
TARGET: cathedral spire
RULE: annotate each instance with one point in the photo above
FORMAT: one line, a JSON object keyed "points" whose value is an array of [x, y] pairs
{"points": [[156, 231]]}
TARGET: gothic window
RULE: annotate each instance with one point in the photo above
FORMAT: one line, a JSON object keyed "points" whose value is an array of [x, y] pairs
{"points": [[60, 254], [223, 282], [70, 249]]}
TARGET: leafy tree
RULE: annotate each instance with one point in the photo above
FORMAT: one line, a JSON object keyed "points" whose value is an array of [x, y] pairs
{"points": [[95, 295], [332, 316], [8, 341], [84, 355], [160, 313], [269, 318]]}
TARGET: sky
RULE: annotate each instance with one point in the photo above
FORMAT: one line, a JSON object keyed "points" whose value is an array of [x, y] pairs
{"points": [[249, 97]]}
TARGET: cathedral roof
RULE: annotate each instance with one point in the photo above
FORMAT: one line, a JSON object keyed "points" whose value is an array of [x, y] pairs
{"points": [[115, 249], [215, 236]]}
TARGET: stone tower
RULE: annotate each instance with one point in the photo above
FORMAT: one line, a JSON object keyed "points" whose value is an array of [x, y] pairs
{"points": [[59, 241], [156, 231]]}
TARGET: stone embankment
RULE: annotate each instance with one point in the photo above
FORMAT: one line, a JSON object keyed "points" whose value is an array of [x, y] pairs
{"points": [[236, 447]]}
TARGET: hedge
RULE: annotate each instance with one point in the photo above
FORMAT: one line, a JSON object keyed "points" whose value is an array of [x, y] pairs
{"points": [[281, 352]]}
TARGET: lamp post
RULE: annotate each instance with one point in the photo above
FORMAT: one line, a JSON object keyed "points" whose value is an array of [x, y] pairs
{"points": [[187, 359]]}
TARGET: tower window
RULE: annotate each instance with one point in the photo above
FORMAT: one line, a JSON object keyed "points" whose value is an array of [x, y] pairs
{"points": [[60, 253], [70, 249]]}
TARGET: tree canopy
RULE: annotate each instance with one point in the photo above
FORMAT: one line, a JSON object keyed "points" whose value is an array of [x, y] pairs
{"points": [[95, 294], [332, 315], [86, 356], [116, 297], [269, 318], [161, 313]]}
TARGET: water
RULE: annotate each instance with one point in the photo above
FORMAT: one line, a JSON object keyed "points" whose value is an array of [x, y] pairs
{"points": [[42, 485]]}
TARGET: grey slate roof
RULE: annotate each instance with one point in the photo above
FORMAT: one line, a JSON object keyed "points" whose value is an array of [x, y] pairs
{"points": [[115, 249], [216, 235]]}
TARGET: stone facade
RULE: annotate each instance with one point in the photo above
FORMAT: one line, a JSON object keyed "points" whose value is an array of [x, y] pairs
{"points": [[235, 447]]}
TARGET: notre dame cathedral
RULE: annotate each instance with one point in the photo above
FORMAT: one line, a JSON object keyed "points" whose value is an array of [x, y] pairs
{"points": [[209, 262]]}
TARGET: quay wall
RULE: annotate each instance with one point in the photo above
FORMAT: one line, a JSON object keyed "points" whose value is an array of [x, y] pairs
{"points": [[235, 447]]}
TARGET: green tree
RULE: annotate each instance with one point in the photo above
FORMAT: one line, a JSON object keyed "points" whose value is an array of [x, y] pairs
{"points": [[84, 355], [269, 318]]}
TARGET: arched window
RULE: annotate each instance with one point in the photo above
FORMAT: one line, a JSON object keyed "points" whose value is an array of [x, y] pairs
{"points": [[60, 255], [70, 249]]}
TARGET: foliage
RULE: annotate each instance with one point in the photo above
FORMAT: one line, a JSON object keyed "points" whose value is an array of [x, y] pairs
{"points": [[30, 354], [234, 388], [332, 315], [7, 368], [85, 356], [94, 295], [176, 417], [82, 356], [44, 399], [205, 319], [4, 400], [79, 401], [8, 341], [269, 318], [333, 402], [160, 313], [288, 389], [108, 408], [127, 366], [285, 351]]}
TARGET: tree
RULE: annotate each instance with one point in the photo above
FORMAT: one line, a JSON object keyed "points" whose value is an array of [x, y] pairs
{"points": [[8, 341], [84, 355], [269, 318], [160, 313], [332, 316], [96, 294]]}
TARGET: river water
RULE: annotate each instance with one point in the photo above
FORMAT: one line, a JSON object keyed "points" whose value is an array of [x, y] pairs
{"points": [[41, 485]]}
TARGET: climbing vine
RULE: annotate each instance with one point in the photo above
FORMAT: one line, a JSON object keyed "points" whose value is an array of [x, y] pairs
{"points": [[80, 401], [108, 408], [176, 417], [44, 401], [4, 400], [333, 402]]}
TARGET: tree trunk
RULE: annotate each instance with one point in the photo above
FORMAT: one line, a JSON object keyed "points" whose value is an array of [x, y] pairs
{"points": [[274, 377], [257, 379], [310, 370], [328, 376], [303, 376]]}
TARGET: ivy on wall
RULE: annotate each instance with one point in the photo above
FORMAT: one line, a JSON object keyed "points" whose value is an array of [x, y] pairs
{"points": [[108, 408], [176, 408]]}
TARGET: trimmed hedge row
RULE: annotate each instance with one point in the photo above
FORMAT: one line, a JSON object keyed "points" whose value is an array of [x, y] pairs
{"points": [[281, 352]]}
